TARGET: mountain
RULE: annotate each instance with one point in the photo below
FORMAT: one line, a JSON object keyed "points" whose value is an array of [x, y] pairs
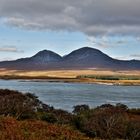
{"points": [[46, 56], [92, 58], [87, 57], [42, 60], [83, 58]]}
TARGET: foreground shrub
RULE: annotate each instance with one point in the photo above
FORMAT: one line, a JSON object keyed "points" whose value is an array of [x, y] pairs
{"points": [[80, 108], [11, 129], [13, 103], [135, 111], [108, 122], [133, 130]]}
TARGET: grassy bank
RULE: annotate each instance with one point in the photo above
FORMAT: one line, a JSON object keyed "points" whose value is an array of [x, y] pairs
{"points": [[111, 77], [81, 76], [24, 117]]}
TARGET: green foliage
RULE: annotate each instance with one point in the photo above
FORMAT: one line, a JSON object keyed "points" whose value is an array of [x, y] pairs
{"points": [[111, 77], [122, 106], [80, 108], [49, 117]]}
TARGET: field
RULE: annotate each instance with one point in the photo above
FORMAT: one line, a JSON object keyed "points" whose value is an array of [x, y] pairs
{"points": [[85, 76]]}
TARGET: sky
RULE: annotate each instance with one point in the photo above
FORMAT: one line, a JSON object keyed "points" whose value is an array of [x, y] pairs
{"points": [[29, 26]]}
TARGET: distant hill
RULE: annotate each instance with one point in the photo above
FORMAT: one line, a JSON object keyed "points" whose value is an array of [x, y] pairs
{"points": [[83, 58]]}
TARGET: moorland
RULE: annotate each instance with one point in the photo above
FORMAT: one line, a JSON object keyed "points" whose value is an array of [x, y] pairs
{"points": [[24, 117]]}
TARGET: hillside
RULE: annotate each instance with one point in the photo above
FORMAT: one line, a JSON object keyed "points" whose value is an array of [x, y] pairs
{"points": [[83, 58]]}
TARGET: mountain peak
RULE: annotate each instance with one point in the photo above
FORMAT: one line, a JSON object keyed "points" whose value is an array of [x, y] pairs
{"points": [[46, 56], [87, 48], [44, 52], [83, 58], [83, 53]]}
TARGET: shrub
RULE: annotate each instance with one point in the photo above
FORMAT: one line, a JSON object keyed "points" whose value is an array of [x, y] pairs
{"points": [[133, 130], [80, 108], [122, 106], [106, 124], [12, 129], [13, 103], [49, 117], [135, 111], [106, 121]]}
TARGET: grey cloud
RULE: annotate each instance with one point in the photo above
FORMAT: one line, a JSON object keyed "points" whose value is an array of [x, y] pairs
{"points": [[92, 17], [121, 42], [105, 42], [135, 55], [9, 48], [123, 58], [138, 39], [6, 59]]}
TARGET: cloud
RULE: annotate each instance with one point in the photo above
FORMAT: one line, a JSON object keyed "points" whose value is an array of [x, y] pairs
{"points": [[92, 17], [106, 42], [129, 57], [138, 39], [135, 56], [8, 48], [6, 59], [121, 42], [122, 58]]}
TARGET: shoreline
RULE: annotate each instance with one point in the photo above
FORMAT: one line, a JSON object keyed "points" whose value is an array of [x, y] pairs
{"points": [[73, 80], [106, 77]]}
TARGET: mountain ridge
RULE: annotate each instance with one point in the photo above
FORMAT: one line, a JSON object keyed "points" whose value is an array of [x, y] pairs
{"points": [[83, 58]]}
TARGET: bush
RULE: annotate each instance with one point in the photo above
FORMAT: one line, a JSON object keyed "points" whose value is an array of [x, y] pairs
{"points": [[106, 124], [15, 104], [122, 106], [49, 117], [12, 129], [106, 121], [135, 111], [80, 108], [133, 130]]}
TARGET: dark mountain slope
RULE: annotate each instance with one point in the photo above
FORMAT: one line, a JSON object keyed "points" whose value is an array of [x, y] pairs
{"points": [[87, 57], [83, 58], [46, 56], [42, 60]]}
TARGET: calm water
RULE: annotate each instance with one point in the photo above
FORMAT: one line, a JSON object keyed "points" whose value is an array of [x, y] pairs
{"points": [[66, 95]]}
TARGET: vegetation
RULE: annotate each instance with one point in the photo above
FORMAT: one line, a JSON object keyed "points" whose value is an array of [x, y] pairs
{"points": [[11, 129], [111, 77], [24, 117], [128, 78]]}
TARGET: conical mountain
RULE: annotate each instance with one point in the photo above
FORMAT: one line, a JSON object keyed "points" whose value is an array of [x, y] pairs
{"points": [[88, 57], [83, 58], [46, 56]]}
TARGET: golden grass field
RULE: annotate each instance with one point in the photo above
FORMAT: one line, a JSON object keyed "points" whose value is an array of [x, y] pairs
{"points": [[66, 73], [71, 75]]}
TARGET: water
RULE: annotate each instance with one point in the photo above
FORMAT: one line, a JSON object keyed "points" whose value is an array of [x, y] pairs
{"points": [[67, 95]]}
